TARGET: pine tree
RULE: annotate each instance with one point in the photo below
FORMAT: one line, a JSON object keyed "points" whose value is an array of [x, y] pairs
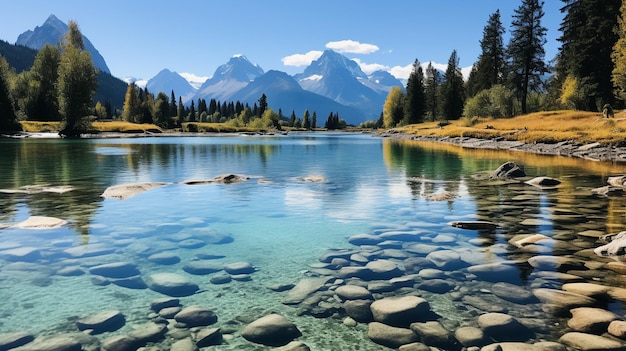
{"points": [[618, 56], [161, 111], [180, 112], [77, 83], [306, 122], [192, 112], [452, 89], [490, 69], [525, 51], [262, 105], [588, 37], [173, 107], [292, 119], [415, 96], [314, 120], [431, 91], [8, 118]]}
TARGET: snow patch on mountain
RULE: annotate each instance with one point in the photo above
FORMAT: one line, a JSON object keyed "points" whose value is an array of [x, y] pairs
{"points": [[194, 80]]}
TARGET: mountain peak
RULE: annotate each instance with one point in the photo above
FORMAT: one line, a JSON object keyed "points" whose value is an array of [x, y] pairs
{"points": [[53, 20], [52, 32], [331, 61]]}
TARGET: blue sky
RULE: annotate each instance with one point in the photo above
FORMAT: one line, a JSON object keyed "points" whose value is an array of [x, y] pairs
{"points": [[139, 38]]}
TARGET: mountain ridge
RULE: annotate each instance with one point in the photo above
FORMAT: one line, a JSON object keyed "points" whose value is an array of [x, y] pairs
{"points": [[52, 32]]}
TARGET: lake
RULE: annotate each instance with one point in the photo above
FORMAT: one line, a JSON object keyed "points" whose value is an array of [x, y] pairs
{"points": [[306, 200]]}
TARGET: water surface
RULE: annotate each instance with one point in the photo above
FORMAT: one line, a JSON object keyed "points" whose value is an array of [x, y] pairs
{"points": [[277, 221]]}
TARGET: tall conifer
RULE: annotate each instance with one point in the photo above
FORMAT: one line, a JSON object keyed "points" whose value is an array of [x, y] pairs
{"points": [[490, 69], [452, 89], [525, 50], [415, 96]]}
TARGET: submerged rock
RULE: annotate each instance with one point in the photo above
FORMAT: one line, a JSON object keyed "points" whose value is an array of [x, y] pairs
{"points": [[584, 341], [220, 179], [303, 289], [40, 222], [591, 320], [400, 311], [61, 342], [115, 270], [502, 327], [12, 340], [239, 268], [103, 322], [390, 336], [194, 316], [125, 191], [271, 330], [544, 182], [171, 284], [474, 225]]}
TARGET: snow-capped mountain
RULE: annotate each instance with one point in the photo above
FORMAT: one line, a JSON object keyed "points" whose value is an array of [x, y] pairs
{"points": [[341, 79], [382, 82], [284, 92], [228, 79], [167, 81], [52, 32]]}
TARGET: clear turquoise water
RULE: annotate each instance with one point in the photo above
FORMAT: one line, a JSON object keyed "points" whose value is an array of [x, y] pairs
{"points": [[278, 223]]}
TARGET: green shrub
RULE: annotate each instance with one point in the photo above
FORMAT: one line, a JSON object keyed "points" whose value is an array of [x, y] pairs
{"points": [[496, 102]]}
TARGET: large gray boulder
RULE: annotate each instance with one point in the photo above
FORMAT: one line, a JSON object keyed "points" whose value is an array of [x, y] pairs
{"points": [[115, 270], [591, 320], [390, 336], [194, 316], [615, 249], [125, 191], [502, 327], [353, 292], [102, 322], [271, 330], [304, 289], [62, 342], [12, 340], [508, 170], [400, 311], [584, 341], [171, 284]]}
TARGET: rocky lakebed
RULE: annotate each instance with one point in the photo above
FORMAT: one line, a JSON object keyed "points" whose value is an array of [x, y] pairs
{"points": [[410, 286]]}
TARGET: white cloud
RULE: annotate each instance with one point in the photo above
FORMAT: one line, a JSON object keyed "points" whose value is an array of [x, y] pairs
{"points": [[298, 60], [351, 47], [401, 72], [370, 68], [195, 80]]}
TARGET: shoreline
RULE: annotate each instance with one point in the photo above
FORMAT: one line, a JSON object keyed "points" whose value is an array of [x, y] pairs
{"points": [[595, 151]]}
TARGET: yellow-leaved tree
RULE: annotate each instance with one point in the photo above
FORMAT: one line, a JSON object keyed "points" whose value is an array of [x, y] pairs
{"points": [[393, 109], [618, 56]]}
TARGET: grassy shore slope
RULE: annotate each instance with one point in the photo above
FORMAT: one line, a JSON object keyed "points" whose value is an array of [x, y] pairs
{"points": [[539, 127]]}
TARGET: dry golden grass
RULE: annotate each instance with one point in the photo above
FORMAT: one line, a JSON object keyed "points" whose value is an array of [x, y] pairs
{"points": [[125, 127], [215, 128], [109, 126], [548, 127], [40, 127]]}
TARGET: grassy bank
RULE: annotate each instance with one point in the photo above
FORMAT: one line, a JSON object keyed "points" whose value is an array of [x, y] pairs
{"points": [[544, 127], [101, 127]]}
